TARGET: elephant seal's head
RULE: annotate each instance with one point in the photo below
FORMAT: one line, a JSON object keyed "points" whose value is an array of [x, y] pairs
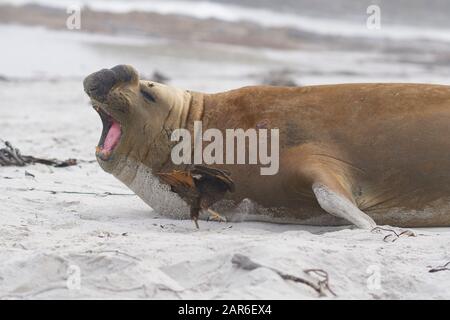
{"points": [[138, 117]]}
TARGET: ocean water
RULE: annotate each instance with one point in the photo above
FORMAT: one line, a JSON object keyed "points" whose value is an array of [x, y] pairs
{"points": [[38, 54], [406, 20]]}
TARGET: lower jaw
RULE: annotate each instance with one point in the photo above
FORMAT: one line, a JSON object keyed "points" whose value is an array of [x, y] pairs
{"points": [[103, 155], [107, 164]]}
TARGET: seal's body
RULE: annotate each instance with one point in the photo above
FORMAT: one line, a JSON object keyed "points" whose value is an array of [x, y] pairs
{"points": [[384, 146], [360, 152]]}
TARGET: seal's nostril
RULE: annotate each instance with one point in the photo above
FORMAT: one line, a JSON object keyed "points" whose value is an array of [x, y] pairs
{"points": [[125, 73], [98, 84]]}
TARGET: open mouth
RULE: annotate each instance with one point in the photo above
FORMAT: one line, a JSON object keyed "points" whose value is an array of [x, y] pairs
{"points": [[110, 138]]}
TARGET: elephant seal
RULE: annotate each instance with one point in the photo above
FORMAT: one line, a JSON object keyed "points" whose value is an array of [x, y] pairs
{"points": [[358, 153]]}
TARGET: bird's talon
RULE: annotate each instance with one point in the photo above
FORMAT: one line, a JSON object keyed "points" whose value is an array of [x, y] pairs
{"points": [[215, 216]]}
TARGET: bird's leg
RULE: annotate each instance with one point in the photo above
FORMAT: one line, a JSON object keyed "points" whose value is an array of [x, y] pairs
{"points": [[196, 223], [215, 216], [194, 214]]}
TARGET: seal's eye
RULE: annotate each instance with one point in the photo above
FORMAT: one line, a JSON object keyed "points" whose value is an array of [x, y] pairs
{"points": [[148, 96]]}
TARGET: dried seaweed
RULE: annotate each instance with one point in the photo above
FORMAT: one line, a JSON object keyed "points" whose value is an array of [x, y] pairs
{"points": [[10, 156], [393, 235], [444, 267], [321, 286]]}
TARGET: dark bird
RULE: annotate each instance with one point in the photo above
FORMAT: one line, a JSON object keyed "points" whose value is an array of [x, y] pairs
{"points": [[200, 187]]}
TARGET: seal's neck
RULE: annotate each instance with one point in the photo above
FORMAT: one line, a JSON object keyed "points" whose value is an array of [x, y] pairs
{"points": [[195, 110], [187, 107]]}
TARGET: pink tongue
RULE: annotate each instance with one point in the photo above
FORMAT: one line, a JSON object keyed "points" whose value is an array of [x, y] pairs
{"points": [[112, 138]]}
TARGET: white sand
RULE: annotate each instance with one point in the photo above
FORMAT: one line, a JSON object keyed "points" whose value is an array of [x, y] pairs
{"points": [[124, 250]]}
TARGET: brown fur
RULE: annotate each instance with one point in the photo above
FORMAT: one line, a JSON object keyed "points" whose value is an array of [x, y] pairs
{"points": [[384, 147]]}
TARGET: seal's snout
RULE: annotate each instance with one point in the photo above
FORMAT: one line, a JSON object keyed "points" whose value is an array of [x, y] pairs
{"points": [[98, 84]]}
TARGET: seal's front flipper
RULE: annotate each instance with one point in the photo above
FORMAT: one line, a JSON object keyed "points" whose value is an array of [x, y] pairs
{"points": [[338, 205]]}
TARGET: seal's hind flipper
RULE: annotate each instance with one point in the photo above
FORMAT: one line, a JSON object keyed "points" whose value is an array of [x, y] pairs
{"points": [[338, 205]]}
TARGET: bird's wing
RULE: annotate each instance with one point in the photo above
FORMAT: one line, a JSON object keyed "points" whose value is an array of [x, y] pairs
{"points": [[177, 179], [215, 174]]}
